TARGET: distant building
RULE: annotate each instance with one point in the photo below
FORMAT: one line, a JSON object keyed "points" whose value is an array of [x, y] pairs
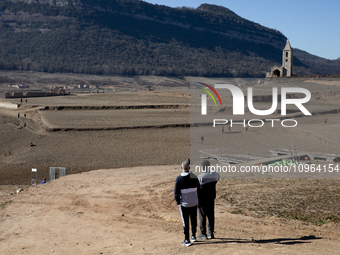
{"points": [[58, 90], [286, 69], [19, 86]]}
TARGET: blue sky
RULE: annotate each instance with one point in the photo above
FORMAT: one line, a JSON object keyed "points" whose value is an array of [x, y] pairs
{"points": [[310, 25]]}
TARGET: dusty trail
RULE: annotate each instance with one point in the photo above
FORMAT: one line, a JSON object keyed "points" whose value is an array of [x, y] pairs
{"points": [[132, 211]]}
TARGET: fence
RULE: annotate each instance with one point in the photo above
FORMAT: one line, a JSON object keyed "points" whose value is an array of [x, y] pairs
{"points": [[62, 172]]}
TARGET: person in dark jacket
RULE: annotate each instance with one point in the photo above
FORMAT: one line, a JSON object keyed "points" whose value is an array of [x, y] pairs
{"points": [[206, 200], [186, 198]]}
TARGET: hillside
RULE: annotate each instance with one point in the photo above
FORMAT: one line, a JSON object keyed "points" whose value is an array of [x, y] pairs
{"points": [[318, 64], [130, 37]]}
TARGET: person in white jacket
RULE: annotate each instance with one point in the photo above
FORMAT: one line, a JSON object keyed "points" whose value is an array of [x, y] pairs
{"points": [[187, 199]]}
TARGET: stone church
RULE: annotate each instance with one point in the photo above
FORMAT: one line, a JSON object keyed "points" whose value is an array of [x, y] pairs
{"points": [[287, 64]]}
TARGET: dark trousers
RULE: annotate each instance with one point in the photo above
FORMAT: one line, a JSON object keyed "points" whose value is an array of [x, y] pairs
{"points": [[206, 210], [186, 214]]}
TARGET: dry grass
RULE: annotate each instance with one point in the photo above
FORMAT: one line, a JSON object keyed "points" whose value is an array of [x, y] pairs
{"points": [[311, 200]]}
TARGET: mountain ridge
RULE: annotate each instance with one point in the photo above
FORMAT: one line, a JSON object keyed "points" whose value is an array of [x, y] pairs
{"points": [[130, 37]]}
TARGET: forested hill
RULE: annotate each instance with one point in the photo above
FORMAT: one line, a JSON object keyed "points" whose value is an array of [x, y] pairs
{"points": [[130, 37]]}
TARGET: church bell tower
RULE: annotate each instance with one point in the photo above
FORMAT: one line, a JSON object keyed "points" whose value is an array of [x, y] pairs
{"points": [[287, 60]]}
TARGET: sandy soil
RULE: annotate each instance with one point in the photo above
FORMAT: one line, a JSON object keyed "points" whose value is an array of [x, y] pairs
{"points": [[85, 150], [107, 99], [115, 118], [325, 82], [89, 150], [132, 211]]}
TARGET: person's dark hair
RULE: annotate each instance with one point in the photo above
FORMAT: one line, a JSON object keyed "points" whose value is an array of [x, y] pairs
{"points": [[205, 165], [186, 165]]}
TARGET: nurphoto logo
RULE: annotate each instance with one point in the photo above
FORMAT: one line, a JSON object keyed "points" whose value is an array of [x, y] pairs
{"points": [[238, 104]]}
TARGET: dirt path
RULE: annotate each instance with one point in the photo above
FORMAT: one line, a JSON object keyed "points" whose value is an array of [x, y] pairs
{"points": [[132, 211]]}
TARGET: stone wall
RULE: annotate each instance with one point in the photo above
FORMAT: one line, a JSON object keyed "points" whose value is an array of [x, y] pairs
{"points": [[8, 105]]}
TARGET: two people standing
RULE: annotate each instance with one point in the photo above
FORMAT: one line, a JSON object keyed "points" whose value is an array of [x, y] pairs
{"points": [[192, 192]]}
